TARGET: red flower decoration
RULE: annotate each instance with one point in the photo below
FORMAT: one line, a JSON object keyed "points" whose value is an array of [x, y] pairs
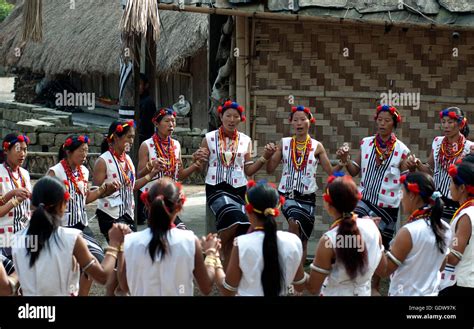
{"points": [[331, 179], [6, 145], [470, 189], [282, 200], [327, 198], [249, 207], [277, 212], [67, 196], [66, 182], [251, 183], [119, 129], [144, 197], [219, 109], [174, 114], [413, 187], [243, 118], [452, 170], [81, 139], [392, 110], [130, 123], [227, 104], [313, 120], [306, 110], [453, 115], [240, 109], [403, 179], [379, 108], [293, 109], [68, 142], [21, 139]]}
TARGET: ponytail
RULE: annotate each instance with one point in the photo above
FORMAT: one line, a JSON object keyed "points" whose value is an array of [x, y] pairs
{"points": [[272, 275], [104, 146], [465, 130], [42, 225], [350, 253], [159, 228], [437, 225]]}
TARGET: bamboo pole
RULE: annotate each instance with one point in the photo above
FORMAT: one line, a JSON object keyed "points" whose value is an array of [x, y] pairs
{"points": [[308, 18]]}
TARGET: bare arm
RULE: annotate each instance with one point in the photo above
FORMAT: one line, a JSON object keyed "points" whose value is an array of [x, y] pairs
{"points": [[461, 237], [142, 169], [322, 260], [400, 249], [251, 169], [122, 273], [203, 274], [275, 160], [382, 267], [233, 275], [100, 172], [5, 289]]}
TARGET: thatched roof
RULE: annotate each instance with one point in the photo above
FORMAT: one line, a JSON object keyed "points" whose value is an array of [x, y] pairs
{"points": [[87, 39]]}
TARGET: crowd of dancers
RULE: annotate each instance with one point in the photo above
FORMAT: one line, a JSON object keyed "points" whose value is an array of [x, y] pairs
{"points": [[48, 249]]}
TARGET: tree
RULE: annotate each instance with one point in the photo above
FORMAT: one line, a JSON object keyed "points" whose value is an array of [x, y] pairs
{"points": [[5, 9]]}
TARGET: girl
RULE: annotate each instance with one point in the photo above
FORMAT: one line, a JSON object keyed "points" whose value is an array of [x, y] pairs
{"points": [[459, 272], [115, 167], [162, 153], [419, 250], [265, 262], [15, 188], [351, 251], [162, 260], [445, 151], [229, 153], [70, 169], [50, 257], [300, 156]]}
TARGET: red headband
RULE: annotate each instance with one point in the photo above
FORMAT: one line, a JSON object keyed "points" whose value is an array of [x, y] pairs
{"points": [[232, 105], [453, 172], [268, 211], [392, 110], [301, 108], [18, 139]]}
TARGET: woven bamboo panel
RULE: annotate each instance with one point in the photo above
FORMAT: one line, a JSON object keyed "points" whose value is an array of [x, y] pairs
{"points": [[306, 61]]}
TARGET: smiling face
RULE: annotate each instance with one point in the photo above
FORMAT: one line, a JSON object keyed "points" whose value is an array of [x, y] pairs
{"points": [[17, 153], [230, 119], [300, 123], [384, 123]]}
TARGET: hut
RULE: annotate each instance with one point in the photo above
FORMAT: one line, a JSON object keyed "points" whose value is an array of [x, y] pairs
{"points": [[81, 43]]}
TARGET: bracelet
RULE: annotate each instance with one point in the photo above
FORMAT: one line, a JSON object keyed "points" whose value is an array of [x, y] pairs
{"points": [[2, 200], [109, 248], [13, 285], [148, 164], [14, 201], [228, 286], [319, 269], [121, 248], [393, 258], [302, 281], [213, 250], [102, 188], [85, 268], [456, 254], [209, 261], [218, 263], [248, 163], [114, 255], [262, 159], [148, 177]]}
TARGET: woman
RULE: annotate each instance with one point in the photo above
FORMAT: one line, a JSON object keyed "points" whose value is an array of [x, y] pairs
{"points": [[300, 156], [114, 166], [458, 276], [15, 187], [229, 153], [445, 151], [162, 260], [265, 262], [70, 169], [162, 154], [50, 257], [351, 251], [419, 250]]}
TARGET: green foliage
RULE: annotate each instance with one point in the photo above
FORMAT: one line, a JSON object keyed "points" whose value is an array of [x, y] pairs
{"points": [[5, 9]]}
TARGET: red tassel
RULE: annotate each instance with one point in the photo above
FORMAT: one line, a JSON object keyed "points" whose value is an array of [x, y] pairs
{"points": [[313, 120], [282, 200], [251, 183], [403, 179], [277, 212], [293, 109], [144, 197], [413, 187], [243, 118], [452, 170], [327, 198], [67, 196], [249, 208], [119, 129]]}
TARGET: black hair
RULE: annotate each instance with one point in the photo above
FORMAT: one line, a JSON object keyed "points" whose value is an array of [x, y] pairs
{"points": [[104, 147], [62, 154], [465, 173], [263, 196], [464, 130], [8, 138], [144, 78], [427, 188], [394, 118], [344, 196], [468, 158], [163, 199], [48, 193]]}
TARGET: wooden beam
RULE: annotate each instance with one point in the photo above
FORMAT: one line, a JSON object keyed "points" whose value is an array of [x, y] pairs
{"points": [[308, 18]]}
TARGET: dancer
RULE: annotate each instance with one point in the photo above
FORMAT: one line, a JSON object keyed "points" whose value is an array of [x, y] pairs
{"points": [[162, 260], [300, 156], [228, 165], [265, 262], [419, 250], [351, 251]]}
